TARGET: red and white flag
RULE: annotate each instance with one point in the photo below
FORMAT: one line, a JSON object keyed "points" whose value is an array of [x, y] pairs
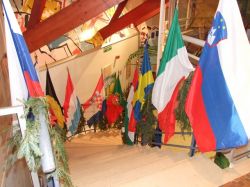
{"points": [[97, 96], [71, 107]]}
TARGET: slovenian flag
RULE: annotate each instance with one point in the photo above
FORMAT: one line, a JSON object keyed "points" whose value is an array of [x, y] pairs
{"points": [[174, 67], [22, 74], [219, 98], [71, 107]]}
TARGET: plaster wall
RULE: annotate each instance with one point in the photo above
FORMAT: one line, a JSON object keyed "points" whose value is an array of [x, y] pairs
{"points": [[86, 70]]}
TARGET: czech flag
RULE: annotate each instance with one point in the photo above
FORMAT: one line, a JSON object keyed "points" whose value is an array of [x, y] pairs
{"points": [[22, 74], [219, 98]]}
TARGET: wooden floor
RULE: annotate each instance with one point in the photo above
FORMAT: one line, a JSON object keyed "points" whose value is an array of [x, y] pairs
{"points": [[100, 160], [243, 181]]}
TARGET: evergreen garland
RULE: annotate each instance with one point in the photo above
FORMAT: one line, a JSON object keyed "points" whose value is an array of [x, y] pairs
{"points": [[152, 50], [181, 116], [29, 148], [61, 158], [146, 126], [102, 125]]}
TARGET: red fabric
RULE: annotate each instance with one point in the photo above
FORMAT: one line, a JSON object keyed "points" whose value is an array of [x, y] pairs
{"points": [[114, 109], [96, 97], [69, 91], [132, 122], [135, 79], [167, 117], [34, 87], [195, 109]]}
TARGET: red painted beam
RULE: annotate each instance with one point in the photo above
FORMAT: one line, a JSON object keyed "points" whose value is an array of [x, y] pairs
{"points": [[119, 10], [36, 13], [147, 15], [64, 21], [138, 15]]}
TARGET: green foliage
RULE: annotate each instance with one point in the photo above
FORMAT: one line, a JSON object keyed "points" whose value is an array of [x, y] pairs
{"points": [[103, 123], [61, 158], [29, 148], [152, 50], [146, 126], [221, 160], [181, 116]]}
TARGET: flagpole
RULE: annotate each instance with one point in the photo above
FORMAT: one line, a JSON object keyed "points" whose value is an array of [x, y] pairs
{"points": [[161, 33]]}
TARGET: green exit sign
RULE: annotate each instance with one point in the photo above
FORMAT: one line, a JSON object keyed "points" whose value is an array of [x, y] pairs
{"points": [[107, 48]]}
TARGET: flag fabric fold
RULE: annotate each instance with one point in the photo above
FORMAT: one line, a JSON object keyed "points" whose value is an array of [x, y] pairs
{"points": [[174, 67], [218, 100], [115, 103], [97, 96], [130, 126], [56, 115], [22, 74], [50, 90], [71, 107], [145, 85]]}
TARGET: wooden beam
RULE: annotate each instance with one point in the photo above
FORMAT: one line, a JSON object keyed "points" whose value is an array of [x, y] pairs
{"points": [[64, 21], [138, 15], [148, 15], [36, 13], [119, 10]]}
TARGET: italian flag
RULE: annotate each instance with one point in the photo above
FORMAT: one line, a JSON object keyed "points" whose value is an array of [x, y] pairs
{"points": [[174, 67]]}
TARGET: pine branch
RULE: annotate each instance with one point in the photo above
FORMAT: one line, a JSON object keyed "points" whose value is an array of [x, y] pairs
{"points": [[181, 116]]}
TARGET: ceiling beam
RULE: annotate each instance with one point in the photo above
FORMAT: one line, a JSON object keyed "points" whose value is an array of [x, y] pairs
{"points": [[119, 10], [148, 15], [136, 16], [36, 13], [64, 21]]}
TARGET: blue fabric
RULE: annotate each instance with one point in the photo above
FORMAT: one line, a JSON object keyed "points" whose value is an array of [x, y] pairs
{"points": [[226, 126]]}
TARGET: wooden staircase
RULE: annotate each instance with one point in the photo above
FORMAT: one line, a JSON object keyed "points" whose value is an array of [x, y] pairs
{"points": [[100, 160]]}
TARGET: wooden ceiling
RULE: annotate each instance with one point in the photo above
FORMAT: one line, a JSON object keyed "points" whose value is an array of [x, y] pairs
{"points": [[40, 33]]}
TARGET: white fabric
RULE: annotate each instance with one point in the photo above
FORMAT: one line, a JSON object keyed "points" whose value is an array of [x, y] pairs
{"points": [[18, 86], [178, 67], [234, 54]]}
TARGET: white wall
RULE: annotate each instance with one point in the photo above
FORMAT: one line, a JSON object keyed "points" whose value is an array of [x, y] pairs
{"points": [[86, 70]]}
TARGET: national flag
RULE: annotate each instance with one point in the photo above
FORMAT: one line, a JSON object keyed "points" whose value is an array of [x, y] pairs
{"points": [[95, 119], [24, 82], [145, 85], [129, 114], [174, 67], [22, 74], [97, 97], [50, 90], [115, 103], [71, 107], [55, 108], [218, 100], [118, 90]]}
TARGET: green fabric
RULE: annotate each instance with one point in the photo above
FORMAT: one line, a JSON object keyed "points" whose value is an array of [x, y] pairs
{"points": [[118, 91], [174, 42], [117, 88], [126, 138]]}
